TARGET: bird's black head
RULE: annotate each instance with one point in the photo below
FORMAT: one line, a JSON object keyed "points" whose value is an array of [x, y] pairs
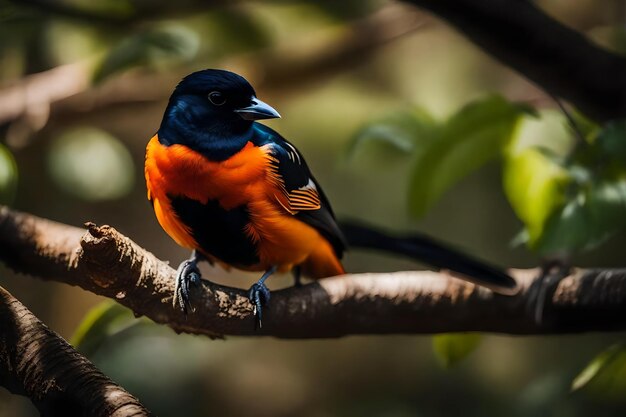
{"points": [[211, 106]]}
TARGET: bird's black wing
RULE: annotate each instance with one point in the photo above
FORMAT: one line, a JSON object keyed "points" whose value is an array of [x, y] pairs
{"points": [[301, 194]]}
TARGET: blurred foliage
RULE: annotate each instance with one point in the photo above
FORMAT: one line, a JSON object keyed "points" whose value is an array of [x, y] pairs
{"points": [[605, 376], [103, 322], [465, 142], [569, 197], [583, 190], [91, 164], [234, 30], [406, 132], [153, 48], [451, 348], [534, 188], [8, 176], [445, 152], [111, 9], [568, 193]]}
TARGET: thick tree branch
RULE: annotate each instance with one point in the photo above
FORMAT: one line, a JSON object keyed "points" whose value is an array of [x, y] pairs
{"points": [[38, 363], [105, 262], [560, 60]]}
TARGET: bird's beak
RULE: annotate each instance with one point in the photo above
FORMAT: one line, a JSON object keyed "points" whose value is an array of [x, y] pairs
{"points": [[257, 110]]}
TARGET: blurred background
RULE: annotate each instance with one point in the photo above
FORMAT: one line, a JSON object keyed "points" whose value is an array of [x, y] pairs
{"points": [[361, 87]]}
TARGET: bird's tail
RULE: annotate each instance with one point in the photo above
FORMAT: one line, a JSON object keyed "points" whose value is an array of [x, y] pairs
{"points": [[424, 249]]}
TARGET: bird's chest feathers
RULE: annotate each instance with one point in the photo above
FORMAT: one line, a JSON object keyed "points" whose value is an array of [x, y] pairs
{"points": [[177, 170]]}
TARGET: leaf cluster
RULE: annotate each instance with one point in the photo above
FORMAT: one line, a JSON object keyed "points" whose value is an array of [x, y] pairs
{"points": [[569, 198]]}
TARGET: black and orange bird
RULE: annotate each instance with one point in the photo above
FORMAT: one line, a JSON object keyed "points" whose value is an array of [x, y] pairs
{"points": [[238, 194]]}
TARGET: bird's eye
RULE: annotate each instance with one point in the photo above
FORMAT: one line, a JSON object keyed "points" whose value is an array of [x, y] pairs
{"points": [[217, 98]]}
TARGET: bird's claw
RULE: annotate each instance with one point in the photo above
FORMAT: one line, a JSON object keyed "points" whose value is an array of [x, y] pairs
{"points": [[542, 289], [187, 274], [259, 296]]}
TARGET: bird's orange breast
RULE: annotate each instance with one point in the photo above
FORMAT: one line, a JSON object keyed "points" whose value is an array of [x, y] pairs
{"points": [[179, 170], [243, 180]]}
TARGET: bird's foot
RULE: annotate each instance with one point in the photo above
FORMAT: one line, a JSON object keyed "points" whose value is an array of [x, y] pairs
{"points": [[544, 287], [187, 274], [259, 296]]}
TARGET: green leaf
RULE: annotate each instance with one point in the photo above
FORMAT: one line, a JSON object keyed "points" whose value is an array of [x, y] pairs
{"points": [[612, 140], [607, 208], [569, 198], [153, 48], [8, 176], [472, 137], [91, 164], [387, 135], [563, 208], [403, 132], [592, 216], [451, 348], [535, 186], [605, 375], [567, 229], [102, 322], [548, 131]]}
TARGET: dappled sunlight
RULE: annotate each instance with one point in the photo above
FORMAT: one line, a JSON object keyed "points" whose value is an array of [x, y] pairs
{"points": [[405, 122]]}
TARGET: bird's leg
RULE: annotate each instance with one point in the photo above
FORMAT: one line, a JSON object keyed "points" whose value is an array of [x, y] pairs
{"points": [[297, 271], [187, 273], [259, 295]]}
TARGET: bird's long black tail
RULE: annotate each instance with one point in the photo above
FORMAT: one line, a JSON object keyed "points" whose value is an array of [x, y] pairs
{"points": [[425, 249]]}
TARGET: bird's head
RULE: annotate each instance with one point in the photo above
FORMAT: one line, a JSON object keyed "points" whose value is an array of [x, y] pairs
{"points": [[215, 102]]}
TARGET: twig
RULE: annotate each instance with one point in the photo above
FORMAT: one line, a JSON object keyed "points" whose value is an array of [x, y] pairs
{"points": [[580, 138]]}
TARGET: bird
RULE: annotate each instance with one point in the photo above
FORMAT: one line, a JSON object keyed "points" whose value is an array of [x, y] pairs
{"points": [[234, 191], [238, 194]]}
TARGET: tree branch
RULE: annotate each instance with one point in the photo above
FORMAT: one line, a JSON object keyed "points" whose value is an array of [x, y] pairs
{"points": [[560, 60], [35, 93], [67, 89], [38, 363], [105, 262]]}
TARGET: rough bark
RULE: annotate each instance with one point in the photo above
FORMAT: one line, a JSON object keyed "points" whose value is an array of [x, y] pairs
{"points": [[38, 363], [105, 262]]}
